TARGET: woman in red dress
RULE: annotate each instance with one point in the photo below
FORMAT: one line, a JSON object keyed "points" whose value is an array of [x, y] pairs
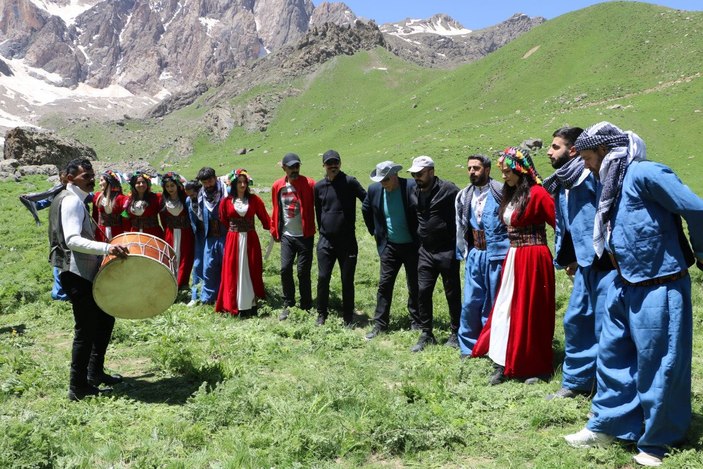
{"points": [[143, 206], [177, 230], [242, 268], [518, 334], [108, 204]]}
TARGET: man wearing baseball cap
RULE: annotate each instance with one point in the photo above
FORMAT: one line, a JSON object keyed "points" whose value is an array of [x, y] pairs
{"points": [[437, 253], [335, 208], [293, 225], [390, 214]]}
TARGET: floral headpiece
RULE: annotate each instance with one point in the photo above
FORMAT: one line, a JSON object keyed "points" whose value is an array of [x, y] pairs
{"points": [[520, 161], [140, 174], [174, 177], [233, 175], [114, 180]]}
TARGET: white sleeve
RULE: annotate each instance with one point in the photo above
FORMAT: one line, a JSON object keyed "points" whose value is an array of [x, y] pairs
{"points": [[73, 214]]}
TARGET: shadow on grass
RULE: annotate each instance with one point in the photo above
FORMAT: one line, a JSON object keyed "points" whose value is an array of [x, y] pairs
{"points": [[695, 433], [18, 329], [173, 390]]}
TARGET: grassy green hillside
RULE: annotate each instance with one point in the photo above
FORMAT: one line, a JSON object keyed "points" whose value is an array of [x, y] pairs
{"points": [[208, 391], [635, 64]]}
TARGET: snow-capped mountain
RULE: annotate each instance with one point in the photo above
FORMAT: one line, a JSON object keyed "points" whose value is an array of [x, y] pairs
{"points": [[107, 58]]}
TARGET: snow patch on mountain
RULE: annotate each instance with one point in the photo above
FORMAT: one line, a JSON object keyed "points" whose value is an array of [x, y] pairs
{"points": [[441, 25], [69, 12]]}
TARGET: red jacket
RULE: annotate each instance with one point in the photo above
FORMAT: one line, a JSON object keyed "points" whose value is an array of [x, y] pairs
{"points": [[304, 187]]}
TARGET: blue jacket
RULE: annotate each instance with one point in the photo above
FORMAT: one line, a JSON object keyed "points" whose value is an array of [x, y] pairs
{"points": [[576, 215], [646, 235], [497, 242], [375, 217]]}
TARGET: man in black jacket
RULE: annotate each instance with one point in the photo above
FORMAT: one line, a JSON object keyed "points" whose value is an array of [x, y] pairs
{"points": [[335, 208], [391, 217], [437, 253]]}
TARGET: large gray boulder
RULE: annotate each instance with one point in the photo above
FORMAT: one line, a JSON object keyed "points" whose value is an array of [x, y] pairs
{"points": [[33, 147]]}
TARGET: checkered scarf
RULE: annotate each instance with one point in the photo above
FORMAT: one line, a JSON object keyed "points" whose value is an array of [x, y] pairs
{"points": [[565, 177], [625, 147]]}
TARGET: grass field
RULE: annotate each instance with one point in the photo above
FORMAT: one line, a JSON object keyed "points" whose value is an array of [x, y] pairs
{"points": [[202, 390]]}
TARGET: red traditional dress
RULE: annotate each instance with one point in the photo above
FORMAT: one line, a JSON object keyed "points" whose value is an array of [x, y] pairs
{"points": [[520, 328], [108, 215], [144, 214], [242, 268], [179, 234]]}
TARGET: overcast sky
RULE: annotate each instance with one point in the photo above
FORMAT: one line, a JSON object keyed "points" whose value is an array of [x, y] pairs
{"points": [[477, 14]]}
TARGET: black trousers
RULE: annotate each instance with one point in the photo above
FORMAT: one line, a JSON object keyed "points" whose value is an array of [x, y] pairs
{"points": [[343, 251], [393, 257], [92, 329], [430, 266], [292, 246]]}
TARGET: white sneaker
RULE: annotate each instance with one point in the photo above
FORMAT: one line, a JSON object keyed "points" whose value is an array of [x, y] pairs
{"points": [[586, 438], [646, 459], [192, 303]]}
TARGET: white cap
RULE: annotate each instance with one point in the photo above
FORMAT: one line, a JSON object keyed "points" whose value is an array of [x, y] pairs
{"points": [[420, 163]]}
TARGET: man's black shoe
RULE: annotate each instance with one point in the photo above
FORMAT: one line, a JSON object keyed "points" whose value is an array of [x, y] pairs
{"points": [[77, 393], [321, 318], [426, 338], [104, 378], [284, 314], [375, 332]]}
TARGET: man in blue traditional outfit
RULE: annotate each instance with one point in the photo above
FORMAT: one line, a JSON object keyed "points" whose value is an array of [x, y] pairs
{"points": [[481, 240], [644, 353], [574, 190], [215, 232], [192, 189], [390, 214]]}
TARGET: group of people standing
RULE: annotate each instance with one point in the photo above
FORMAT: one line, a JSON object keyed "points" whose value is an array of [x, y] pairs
{"points": [[619, 236]]}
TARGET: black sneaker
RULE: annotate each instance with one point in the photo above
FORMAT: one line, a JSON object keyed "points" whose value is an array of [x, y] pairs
{"points": [[376, 331], [104, 378], [426, 338], [284, 314], [77, 393], [321, 318], [452, 341]]}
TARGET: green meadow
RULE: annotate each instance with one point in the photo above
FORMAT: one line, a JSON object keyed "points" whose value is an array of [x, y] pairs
{"points": [[211, 391]]}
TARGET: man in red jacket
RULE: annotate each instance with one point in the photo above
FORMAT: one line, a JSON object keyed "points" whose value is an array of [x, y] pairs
{"points": [[293, 225]]}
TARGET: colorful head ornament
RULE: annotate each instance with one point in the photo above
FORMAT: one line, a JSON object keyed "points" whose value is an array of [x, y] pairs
{"points": [[174, 177], [520, 161], [114, 180], [140, 174], [234, 175]]}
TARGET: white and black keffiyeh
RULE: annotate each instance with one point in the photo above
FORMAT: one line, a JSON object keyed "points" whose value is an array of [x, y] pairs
{"points": [[565, 177], [625, 147]]}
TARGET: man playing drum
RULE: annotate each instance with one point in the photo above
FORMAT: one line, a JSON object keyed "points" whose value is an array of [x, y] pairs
{"points": [[77, 255]]}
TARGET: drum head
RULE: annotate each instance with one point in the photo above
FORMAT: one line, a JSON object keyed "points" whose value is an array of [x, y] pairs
{"points": [[135, 287]]}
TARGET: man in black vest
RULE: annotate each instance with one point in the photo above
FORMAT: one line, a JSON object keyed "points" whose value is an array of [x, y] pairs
{"points": [[391, 217], [77, 255]]}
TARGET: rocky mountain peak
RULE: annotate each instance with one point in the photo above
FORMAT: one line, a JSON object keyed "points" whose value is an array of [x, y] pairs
{"points": [[440, 24], [332, 12]]}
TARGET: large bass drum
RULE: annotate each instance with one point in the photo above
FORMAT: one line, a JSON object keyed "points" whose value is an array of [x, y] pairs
{"points": [[141, 285]]}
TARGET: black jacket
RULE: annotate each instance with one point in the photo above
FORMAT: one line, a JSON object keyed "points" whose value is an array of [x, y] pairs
{"points": [[375, 217], [436, 216], [335, 205]]}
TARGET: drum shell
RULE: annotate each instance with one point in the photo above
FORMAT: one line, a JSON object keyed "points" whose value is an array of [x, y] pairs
{"points": [[141, 285]]}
